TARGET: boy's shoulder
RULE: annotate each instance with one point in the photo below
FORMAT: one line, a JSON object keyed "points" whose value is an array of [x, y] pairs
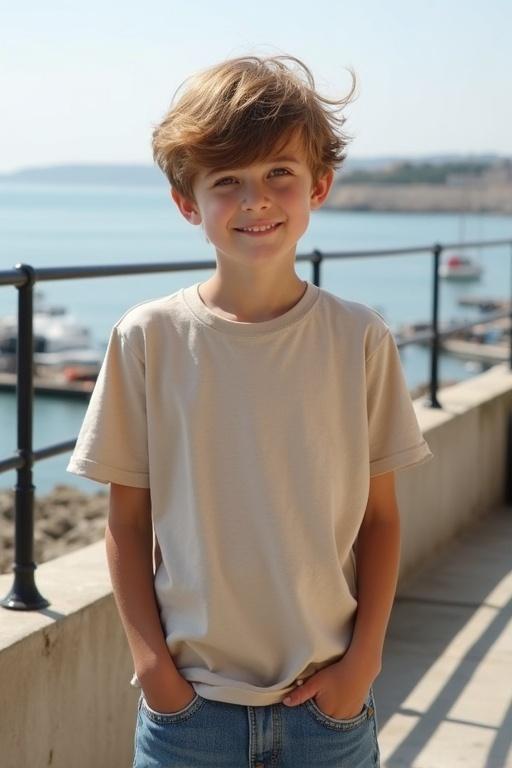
{"points": [[355, 321], [355, 309], [137, 322], [144, 311]]}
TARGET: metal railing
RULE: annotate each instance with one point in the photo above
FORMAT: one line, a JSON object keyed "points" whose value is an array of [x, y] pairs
{"points": [[24, 594]]}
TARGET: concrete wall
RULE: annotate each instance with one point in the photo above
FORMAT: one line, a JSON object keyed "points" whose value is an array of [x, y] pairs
{"points": [[65, 694], [467, 477], [65, 697]]}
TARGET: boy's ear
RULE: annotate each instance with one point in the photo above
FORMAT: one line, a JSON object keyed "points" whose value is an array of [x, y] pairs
{"points": [[321, 189], [187, 207]]}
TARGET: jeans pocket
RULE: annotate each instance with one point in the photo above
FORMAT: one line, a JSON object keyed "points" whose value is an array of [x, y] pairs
{"points": [[185, 713], [343, 724]]}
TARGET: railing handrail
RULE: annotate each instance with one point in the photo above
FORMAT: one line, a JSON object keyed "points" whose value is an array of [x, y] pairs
{"points": [[24, 594], [44, 274]]}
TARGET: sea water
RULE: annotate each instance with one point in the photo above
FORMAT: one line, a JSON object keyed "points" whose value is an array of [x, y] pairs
{"points": [[63, 226]]}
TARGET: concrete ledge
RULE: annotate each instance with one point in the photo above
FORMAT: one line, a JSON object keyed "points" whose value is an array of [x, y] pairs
{"points": [[66, 698], [467, 476]]}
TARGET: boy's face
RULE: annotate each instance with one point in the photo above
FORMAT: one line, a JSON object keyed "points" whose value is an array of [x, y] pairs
{"points": [[276, 191]]}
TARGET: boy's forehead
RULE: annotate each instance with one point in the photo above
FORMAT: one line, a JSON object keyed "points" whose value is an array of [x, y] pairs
{"points": [[288, 151]]}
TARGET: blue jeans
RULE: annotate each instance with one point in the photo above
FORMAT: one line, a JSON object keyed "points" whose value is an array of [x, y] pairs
{"points": [[215, 734]]}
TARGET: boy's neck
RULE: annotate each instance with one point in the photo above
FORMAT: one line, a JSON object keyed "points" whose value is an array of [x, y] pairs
{"points": [[254, 301]]}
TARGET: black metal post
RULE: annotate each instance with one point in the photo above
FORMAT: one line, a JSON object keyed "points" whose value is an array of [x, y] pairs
{"points": [[508, 459], [317, 262], [510, 310], [508, 449], [432, 401], [24, 595]]}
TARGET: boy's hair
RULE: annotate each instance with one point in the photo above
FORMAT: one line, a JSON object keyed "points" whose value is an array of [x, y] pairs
{"points": [[235, 113]]}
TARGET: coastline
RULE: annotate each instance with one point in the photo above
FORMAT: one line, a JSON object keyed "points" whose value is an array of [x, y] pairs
{"points": [[421, 198]]}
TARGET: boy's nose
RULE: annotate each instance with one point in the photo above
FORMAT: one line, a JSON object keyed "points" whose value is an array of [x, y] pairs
{"points": [[255, 203], [254, 198]]}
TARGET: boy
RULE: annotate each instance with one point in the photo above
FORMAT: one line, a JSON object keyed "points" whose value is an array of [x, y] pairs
{"points": [[254, 421]]}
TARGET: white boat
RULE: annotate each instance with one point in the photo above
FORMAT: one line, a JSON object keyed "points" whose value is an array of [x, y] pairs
{"points": [[457, 267], [59, 340]]}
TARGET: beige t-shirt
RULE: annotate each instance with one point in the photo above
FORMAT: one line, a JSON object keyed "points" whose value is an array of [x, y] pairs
{"points": [[257, 441]]}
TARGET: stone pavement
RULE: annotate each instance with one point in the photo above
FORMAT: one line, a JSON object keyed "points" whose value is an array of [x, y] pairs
{"points": [[444, 696]]}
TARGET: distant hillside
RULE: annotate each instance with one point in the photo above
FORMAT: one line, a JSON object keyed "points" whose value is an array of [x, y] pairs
{"points": [[112, 175], [477, 185], [373, 169], [361, 169], [415, 173]]}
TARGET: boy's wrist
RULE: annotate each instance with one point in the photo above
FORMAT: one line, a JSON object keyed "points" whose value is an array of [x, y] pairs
{"points": [[369, 658], [164, 672], [156, 667]]}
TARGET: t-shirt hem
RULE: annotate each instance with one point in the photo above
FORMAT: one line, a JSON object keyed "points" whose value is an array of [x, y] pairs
{"points": [[418, 454], [102, 473], [232, 694]]}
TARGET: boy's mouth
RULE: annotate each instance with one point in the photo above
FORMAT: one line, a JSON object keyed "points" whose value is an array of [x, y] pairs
{"points": [[259, 231]]}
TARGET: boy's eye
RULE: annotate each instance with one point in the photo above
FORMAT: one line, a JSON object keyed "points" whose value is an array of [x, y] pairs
{"points": [[221, 181], [281, 169], [230, 178]]}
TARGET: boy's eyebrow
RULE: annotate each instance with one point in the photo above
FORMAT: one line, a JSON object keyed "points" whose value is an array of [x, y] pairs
{"points": [[280, 159], [283, 159]]}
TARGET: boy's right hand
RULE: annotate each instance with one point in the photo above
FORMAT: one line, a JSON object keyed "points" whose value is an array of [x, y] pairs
{"points": [[168, 699]]}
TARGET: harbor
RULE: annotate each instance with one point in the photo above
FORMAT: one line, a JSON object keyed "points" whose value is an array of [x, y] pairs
{"points": [[66, 361], [485, 342], [63, 375], [54, 384]]}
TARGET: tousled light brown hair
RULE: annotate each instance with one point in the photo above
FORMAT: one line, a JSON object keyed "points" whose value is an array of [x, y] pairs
{"points": [[235, 113]]}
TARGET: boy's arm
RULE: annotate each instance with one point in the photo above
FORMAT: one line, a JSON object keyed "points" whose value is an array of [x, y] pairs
{"points": [[129, 546], [377, 557], [340, 688]]}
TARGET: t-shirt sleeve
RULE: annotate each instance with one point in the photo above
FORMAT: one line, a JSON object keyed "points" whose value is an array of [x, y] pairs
{"points": [[395, 437], [112, 441]]}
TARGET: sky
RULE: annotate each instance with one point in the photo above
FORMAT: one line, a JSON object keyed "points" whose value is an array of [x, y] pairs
{"points": [[87, 82]]}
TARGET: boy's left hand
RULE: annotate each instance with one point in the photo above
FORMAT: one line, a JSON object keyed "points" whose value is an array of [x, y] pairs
{"points": [[339, 690]]}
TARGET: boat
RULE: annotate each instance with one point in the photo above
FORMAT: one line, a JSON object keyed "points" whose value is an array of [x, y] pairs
{"points": [[457, 267], [404, 331], [61, 343]]}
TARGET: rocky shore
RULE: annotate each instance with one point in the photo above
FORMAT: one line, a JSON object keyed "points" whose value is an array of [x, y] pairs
{"points": [[64, 520]]}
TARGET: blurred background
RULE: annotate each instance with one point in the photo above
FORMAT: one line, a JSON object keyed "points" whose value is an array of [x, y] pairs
{"points": [[83, 85]]}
